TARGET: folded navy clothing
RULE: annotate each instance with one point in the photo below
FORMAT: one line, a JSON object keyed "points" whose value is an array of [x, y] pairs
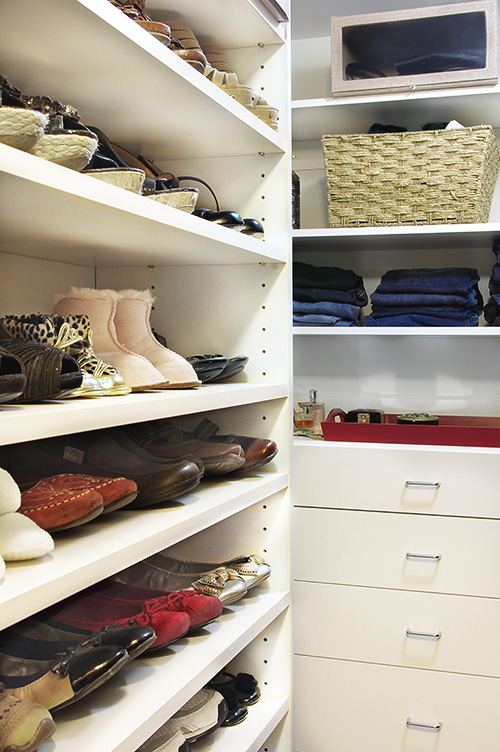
{"points": [[316, 319], [327, 277], [342, 310], [448, 281], [492, 308], [357, 296], [472, 299], [436, 311], [417, 319]]}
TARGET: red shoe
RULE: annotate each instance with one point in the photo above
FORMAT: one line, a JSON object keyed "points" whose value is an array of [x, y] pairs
{"points": [[95, 611], [201, 609], [115, 492], [55, 510]]}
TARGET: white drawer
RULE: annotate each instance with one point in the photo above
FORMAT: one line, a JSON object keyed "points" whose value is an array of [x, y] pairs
{"points": [[370, 548], [342, 706], [462, 481], [447, 632]]}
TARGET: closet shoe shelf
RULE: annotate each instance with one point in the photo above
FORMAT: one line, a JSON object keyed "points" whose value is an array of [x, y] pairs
{"points": [[151, 690], [28, 422], [115, 227], [163, 96], [105, 546], [398, 331]]}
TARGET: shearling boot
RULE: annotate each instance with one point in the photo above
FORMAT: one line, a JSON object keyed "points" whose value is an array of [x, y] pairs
{"points": [[100, 306], [133, 309]]}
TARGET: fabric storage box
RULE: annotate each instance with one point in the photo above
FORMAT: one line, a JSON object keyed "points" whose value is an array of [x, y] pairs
{"points": [[412, 177], [435, 47]]}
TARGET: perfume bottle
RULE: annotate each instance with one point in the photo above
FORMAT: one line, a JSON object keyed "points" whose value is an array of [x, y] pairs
{"points": [[315, 411]]}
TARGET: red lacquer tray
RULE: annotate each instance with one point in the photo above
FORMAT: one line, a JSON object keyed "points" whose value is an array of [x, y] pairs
{"points": [[453, 430]]}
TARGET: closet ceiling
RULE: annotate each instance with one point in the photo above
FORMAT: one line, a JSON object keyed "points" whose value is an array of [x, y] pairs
{"points": [[311, 18]]}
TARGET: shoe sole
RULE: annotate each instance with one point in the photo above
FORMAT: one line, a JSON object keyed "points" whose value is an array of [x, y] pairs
{"points": [[119, 503], [80, 521]]}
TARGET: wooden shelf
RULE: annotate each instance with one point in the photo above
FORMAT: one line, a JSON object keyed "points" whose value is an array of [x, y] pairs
{"points": [[103, 547], [150, 690]]}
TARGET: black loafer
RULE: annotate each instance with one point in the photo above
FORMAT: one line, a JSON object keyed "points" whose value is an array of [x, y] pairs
{"points": [[225, 218], [252, 227]]}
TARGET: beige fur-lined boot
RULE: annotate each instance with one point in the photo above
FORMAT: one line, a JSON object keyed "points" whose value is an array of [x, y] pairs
{"points": [[100, 306], [133, 329]]}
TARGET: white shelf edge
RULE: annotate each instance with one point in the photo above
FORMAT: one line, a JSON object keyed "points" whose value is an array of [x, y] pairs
{"points": [[105, 546], [325, 102], [397, 331], [28, 422], [366, 232], [150, 690], [250, 735]]}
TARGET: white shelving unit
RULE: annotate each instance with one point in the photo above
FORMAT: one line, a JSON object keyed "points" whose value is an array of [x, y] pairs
{"points": [[216, 291], [359, 508]]}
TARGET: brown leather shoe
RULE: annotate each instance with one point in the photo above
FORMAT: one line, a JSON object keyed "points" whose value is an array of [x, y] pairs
{"points": [[55, 510], [24, 725], [163, 439], [258, 452]]}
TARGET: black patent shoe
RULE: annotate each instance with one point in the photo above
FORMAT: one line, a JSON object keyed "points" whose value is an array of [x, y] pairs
{"points": [[244, 685], [229, 219]]}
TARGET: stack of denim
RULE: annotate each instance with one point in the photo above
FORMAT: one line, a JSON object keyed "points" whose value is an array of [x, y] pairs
{"points": [[492, 307], [326, 296], [427, 297]]}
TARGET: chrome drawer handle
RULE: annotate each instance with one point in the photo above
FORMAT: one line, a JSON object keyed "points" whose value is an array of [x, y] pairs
{"points": [[426, 557], [426, 726], [429, 635], [427, 483]]}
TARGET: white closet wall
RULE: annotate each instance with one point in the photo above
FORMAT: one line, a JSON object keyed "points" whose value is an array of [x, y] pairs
{"points": [[216, 291]]}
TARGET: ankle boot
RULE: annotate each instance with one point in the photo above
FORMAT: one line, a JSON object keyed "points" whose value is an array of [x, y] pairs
{"points": [[100, 306], [133, 309], [40, 328]]}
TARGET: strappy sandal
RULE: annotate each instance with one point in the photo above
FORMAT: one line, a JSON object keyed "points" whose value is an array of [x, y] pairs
{"points": [[267, 113], [135, 9], [50, 373], [12, 377], [20, 126]]}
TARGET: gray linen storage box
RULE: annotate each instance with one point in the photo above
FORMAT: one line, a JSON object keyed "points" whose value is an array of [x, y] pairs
{"points": [[412, 177], [404, 50]]}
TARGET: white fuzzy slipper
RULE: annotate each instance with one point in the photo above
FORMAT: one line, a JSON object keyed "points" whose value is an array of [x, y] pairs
{"points": [[2, 568], [22, 539], [10, 495]]}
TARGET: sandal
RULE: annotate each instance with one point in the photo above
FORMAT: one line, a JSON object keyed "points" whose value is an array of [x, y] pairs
{"points": [[20, 126], [135, 10], [50, 373], [12, 377], [266, 112]]}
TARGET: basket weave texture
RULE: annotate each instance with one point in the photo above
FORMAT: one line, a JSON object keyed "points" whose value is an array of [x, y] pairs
{"points": [[411, 178]]}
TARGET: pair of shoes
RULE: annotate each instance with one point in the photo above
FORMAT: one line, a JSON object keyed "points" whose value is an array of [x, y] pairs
{"points": [[233, 220], [68, 500], [108, 453], [239, 691], [20, 126], [214, 368], [21, 539], [72, 335], [229, 580], [165, 440], [116, 165], [258, 452], [198, 717], [24, 725], [48, 372], [123, 337]]}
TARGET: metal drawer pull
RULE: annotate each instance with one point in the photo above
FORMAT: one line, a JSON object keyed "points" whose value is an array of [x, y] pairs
{"points": [[427, 483], [429, 635], [427, 557], [426, 726]]}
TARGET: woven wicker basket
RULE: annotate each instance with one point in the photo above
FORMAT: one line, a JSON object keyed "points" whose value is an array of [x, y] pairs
{"points": [[411, 178]]}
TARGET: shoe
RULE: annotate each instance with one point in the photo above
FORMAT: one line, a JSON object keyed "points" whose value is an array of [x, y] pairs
{"points": [[244, 685], [108, 453], [51, 634], [66, 142], [115, 492], [207, 367], [230, 219], [164, 440], [135, 10], [265, 112], [250, 567], [258, 452], [54, 510], [92, 611], [24, 725], [236, 710], [167, 739], [20, 126], [165, 573], [12, 377], [200, 716], [201, 609], [60, 680], [233, 367]]}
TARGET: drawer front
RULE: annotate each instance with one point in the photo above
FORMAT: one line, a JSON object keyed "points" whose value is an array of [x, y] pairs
{"points": [[440, 480], [419, 630], [342, 706], [370, 548]]}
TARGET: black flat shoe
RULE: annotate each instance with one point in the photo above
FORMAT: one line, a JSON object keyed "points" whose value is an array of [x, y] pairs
{"points": [[233, 367], [252, 227], [225, 218], [208, 367]]}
